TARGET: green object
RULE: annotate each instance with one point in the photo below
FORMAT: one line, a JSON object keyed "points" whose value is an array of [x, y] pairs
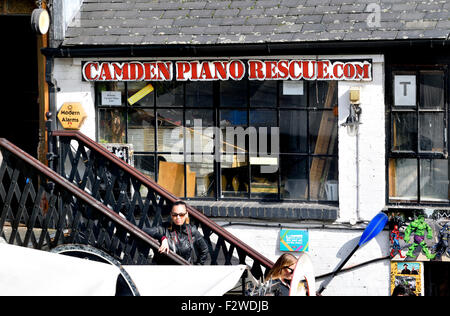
{"points": [[419, 227]]}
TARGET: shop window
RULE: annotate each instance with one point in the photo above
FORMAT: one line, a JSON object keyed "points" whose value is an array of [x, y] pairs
{"points": [[418, 112], [250, 140]]}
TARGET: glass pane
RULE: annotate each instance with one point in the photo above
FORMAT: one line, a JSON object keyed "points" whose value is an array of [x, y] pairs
{"points": [[404, 132], [171, 173], [432, 132], [111, 93], [293, 132], [141, 129], [434, 180], [234, 176], [200, 130], [199, 94], [233, 124], [432, 89], [264, 185], [170, 131], [145, 164], [233, 93], [200, 176], [294, 177], [323, 94], [293, 94], [323, 178], [403, 179], [141, 94], [323, 127], [263, 94], [111, 126], [169, 94], [263, 122]]}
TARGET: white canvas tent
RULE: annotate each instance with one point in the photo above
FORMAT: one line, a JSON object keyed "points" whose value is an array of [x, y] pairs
{"points": [[29, 272]]}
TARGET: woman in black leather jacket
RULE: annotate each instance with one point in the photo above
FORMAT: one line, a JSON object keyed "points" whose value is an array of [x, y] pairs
{"points": [[180, 237]]}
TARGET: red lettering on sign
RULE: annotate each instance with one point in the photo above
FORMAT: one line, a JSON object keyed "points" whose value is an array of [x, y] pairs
{"points": [[283, 69], [363, 71], [88, 73], [225, 70], [322, 70], [105, 72], [256, 71], [205, 73], [237, 70], [164, 71], [295, 70], [221, 72], [183, 68]]}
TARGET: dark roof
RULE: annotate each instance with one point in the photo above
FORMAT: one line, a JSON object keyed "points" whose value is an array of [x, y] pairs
{"points": [[154, 22]]}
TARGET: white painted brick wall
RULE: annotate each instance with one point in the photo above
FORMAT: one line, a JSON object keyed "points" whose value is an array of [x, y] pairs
{"points": [[67, 73], [328, 247], [372, 165]]}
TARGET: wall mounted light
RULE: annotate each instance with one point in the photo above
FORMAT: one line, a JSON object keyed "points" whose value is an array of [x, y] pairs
{"points": [[353, 120], [40, 20]]}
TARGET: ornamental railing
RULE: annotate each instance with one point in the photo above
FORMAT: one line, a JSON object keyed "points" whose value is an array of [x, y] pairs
{"points": [[142, 202], [41, 210]]}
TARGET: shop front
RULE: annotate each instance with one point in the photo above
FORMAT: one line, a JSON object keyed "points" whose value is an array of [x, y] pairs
{"points": [[267, 146], [289, 127], [228, 130]]}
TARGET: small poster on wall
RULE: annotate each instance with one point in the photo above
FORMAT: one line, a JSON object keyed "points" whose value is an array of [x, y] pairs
{"points": [[294, 240], [407, 276], [122, 151]]}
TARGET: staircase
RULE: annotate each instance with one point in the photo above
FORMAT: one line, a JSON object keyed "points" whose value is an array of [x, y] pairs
{"points": [[97, 199]]}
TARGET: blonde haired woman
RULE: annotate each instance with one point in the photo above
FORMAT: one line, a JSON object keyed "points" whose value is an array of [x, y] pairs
{"points": [[281, 274]]}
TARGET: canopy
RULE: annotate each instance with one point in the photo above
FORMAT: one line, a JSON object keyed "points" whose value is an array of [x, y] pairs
{"points": [[29, 272], [185, 280]]}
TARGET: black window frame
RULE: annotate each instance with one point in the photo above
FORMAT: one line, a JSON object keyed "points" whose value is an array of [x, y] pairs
{"points": [[310, 155], [415, 69]]}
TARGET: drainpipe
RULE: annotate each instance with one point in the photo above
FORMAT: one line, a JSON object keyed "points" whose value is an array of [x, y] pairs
{"points": [[51, 115]]}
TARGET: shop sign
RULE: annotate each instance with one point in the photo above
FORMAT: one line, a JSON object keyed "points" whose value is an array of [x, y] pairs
{"points": [[294, 240], [72, 115], [112, 98], [405, 90], [228, 70]]}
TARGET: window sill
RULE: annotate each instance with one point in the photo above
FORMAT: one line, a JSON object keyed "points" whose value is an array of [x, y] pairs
{"points": [[258, 210]]}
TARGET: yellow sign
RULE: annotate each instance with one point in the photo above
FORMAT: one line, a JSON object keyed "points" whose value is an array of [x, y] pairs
{"points": [[72, 115], [140, 94]]}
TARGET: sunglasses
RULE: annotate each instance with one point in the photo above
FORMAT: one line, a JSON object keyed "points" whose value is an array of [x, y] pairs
{"points": [[289, 269], [178, 215]]}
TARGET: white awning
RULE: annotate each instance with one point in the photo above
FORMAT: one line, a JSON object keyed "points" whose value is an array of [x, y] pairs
{"points": [[29, 272], [185, 280]]}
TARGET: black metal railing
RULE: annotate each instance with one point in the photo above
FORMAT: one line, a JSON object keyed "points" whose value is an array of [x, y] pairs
{"points": [[140, 200], [40, 209]]}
